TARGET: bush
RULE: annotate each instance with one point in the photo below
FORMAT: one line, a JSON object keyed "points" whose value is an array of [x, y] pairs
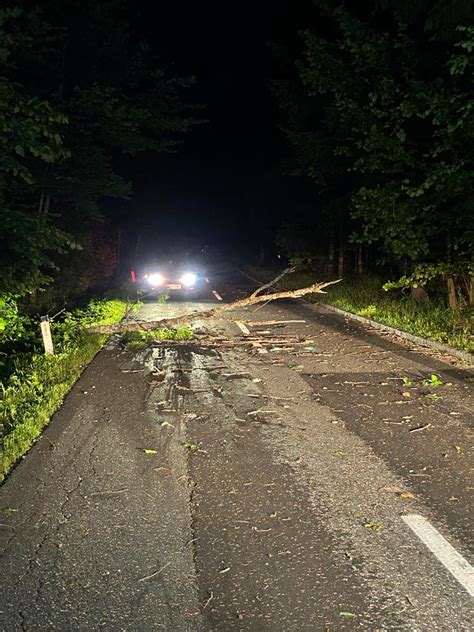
{"points": [[37, 387]]}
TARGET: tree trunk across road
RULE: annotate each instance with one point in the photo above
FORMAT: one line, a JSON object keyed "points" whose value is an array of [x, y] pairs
{"points": [[263, 485]]}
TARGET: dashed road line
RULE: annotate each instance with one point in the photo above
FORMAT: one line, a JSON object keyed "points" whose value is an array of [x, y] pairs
{"points": [[243, 328], [217, 295], [442, 550]]}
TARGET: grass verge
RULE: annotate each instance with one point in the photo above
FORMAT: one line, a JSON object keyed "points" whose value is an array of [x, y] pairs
{"points": [[363, 294], [37, 388]]}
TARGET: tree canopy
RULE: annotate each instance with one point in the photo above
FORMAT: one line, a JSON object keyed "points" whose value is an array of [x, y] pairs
{"points": [[78, 88], [379, 113]]}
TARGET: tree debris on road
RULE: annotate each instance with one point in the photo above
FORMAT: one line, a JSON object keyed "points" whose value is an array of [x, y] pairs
{"points": [[217, 312]]}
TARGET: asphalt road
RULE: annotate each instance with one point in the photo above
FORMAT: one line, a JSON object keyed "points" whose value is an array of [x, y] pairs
{"points": [[282, 476]]}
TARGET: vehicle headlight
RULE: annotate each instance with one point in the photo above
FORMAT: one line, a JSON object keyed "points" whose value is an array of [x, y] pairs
{"points": [[188, 279], [155, 279]]}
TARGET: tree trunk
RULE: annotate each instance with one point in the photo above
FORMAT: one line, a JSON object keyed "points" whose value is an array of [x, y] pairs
{"points": [[452, 294], [420, 294], [47, 200], [331, 250], [340, 262], [360, 260], [471, 291]]}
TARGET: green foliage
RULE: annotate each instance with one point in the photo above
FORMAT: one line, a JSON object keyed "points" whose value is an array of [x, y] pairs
{"points": [[434, 381], [381, 116], [425, 272], [141, 339], [39, 384], [76, 90]]}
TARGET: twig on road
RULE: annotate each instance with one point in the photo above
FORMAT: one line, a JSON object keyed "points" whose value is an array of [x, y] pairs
{"points": [[160, 570], [110, 491], [211, 597], [420, 428]]}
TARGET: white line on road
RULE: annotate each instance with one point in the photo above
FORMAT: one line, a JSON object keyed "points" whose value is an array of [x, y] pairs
{"points": [[440, 547], [217, 295], [243, 328]]}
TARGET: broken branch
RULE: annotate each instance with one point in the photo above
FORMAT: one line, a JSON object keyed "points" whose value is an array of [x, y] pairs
{"points": [[253, 299]]}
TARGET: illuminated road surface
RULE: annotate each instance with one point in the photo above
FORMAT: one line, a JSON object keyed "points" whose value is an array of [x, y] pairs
{"points": [[292, 482]]}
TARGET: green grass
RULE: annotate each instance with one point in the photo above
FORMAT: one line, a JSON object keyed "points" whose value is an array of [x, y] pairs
{"points": [[363, 294], [30, 396]]}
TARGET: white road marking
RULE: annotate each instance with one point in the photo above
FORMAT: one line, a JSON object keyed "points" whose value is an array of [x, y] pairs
{"points": [[217, 295], [443, 551], [243, 328]]}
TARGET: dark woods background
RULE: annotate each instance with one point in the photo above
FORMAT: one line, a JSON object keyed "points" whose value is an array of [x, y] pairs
{"points": [[336, 134]]}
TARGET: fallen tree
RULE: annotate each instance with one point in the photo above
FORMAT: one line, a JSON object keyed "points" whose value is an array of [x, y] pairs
{"points": [[217, 312]]}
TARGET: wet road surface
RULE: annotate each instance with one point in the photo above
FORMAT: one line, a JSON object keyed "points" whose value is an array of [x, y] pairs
{"points": [[246, 481]]}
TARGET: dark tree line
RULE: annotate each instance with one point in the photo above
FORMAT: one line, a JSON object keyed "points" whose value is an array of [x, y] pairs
{"points": [[378, 109], [79, 88]]}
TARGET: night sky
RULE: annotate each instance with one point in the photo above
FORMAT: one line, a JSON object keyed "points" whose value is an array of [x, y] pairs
{"points": [[227, 174]]}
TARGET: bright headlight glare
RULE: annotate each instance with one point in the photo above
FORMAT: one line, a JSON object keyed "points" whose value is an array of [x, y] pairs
{"points": [[189, 278], [155, 279]]}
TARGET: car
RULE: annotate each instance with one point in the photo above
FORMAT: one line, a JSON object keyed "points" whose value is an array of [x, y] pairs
{"points": [[183, 275], [163, 279]]}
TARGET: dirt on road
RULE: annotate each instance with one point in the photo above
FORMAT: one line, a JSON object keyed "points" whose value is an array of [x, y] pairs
{"points": [[260, 486]]}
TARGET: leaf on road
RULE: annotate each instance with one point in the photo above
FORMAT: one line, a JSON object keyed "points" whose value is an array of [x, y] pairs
{"points": [[347, 615], [435, 381], [374, 526], [190, 446], [150, 451], [458, 449], [406, 394], [407, 496], [9, 511]]}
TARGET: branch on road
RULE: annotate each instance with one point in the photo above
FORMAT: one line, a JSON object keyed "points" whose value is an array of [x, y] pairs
{"points": [[217, 312], [272, 282]]}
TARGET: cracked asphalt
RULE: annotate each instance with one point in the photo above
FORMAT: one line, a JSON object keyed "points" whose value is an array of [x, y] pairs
{"points": [[258, 485]]}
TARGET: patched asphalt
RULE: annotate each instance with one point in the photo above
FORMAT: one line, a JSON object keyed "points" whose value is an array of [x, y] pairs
{"points": [[189, 487]]}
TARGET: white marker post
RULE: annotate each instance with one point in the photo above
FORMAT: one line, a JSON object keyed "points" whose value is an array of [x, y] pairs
{"points": [[46, 333]]}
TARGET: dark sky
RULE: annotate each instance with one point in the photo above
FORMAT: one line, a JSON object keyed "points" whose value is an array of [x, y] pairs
{"points": [[227, 173]]}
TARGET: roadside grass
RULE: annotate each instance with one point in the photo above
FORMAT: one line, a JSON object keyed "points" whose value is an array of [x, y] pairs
{"points": [[363, 294], [37, 387], [141, 339]]}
